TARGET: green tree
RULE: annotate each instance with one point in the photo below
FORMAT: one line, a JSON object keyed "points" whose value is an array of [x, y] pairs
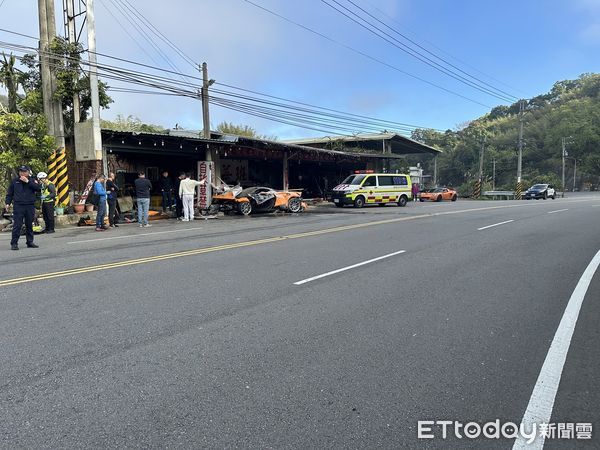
{"points": [[131, 123], [241, 130]]}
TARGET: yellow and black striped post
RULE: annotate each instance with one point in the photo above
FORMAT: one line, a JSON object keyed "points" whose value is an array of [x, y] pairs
{"points": [[477, 190], [519, 191], [57, 174]]}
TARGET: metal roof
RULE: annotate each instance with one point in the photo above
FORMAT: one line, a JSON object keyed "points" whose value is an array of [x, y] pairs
{"points": [[400, 145], [228, 139]]}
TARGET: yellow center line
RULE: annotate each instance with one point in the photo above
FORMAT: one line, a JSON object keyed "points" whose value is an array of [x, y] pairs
{"points": [[199, 251]]}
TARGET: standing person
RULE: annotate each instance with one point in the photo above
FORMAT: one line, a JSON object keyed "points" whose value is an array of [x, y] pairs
{"points": [[100, 191], [143, 187], [22, 193], [415, 191], [178, 199], [112, 191], [166, 187], [187, 189], [48, 198]]}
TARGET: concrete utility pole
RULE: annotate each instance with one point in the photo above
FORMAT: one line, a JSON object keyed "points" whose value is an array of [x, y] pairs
{"points": [[480, 179], [435, 171], [574, 174], [519, 189], [52, 108], [206, 83], [93, 74], [564, 154], [211, 155], [494, 174], [72, 37]]}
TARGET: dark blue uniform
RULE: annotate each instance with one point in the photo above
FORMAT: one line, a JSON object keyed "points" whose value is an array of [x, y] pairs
{"points": [[23, 196]]}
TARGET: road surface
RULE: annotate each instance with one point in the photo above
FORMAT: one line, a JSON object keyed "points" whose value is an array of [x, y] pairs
{"points": [[333, 328]]}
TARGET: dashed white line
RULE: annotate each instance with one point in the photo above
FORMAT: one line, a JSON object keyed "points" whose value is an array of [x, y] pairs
{"points": [[541, 403], [343, 269], [495, 225], [558, 210], [129, 236]]}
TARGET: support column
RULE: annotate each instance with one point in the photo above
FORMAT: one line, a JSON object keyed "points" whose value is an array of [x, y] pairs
{"points": [[286, 171]]}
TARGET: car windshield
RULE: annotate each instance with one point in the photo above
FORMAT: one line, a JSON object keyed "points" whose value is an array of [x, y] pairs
{"points": [[439, 190], [539, 186], [353, 179]]}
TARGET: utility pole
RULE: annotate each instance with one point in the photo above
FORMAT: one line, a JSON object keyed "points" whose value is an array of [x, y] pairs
{"points": [[206, 83], [211, 155], [519, 189], [494, 174], [52, 108], [480, 179], [564, 154], [574, 173], [45, 66], [72, 37], [93, 74], [435, 171]]}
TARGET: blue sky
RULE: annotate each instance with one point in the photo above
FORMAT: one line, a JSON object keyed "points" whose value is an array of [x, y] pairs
{"points": [[528, 45]]}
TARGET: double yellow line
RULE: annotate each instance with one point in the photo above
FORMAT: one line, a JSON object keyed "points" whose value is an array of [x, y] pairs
{"points": [[199, 251]]}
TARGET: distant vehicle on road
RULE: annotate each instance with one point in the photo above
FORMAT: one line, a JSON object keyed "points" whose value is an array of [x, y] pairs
{"points": [[538, 191], [438, 194], [368, 188]]}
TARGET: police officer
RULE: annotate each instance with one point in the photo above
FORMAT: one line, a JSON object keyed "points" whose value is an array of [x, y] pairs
{"points": [[22, 193], [48, 198]]}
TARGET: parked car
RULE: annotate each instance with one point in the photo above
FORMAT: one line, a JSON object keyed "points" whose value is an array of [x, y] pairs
{"points": [[438, 194], [538, 191]]}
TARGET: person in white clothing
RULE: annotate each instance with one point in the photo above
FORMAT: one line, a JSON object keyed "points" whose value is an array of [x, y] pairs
{"points": [[187, 189]]}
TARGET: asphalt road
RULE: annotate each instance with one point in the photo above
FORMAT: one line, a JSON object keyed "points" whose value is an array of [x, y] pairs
{"points": [[234, 332]]}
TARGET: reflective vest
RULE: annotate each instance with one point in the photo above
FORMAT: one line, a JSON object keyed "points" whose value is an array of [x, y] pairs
{"points": [[46, 194]]}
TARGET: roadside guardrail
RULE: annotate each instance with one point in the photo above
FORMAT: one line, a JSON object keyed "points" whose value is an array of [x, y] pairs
{"points": [[503, 195]]}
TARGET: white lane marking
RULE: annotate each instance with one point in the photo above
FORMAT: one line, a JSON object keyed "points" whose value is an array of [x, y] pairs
{"points": [[558, 210], [541, 403], [495, 225], [343, 269], [135, 235]]}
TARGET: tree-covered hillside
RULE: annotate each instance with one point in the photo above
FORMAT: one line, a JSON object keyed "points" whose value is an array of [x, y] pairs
{"points": [[570, 110]]}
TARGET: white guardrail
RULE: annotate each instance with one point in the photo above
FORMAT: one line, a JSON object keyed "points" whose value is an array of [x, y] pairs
{"points": [[494, 194]]}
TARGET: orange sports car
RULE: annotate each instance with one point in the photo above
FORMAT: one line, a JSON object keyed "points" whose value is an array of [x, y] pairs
{"points": [[258, 199], [438, 194]]}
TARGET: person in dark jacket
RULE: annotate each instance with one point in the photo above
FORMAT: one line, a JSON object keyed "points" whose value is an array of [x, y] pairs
{"points": [[166, 188], [178, 199], [112, 191], [143, 186], [100, 191], [22, 193], [48, 199]]}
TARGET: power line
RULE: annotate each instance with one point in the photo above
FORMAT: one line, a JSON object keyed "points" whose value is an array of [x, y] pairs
{"points": [[404, 48], [295, 115], [431, 53], [365, 55], [162, 36], [441, 50], [125, 10]]}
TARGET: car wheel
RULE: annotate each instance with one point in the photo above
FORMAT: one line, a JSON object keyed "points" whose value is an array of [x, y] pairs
{"points": [[421, 200], [359, 201], [402, 201], [339, 205], [454, 197], [545, 195], [439, 198], [294, 205], [553, 196], [245, 208]]}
